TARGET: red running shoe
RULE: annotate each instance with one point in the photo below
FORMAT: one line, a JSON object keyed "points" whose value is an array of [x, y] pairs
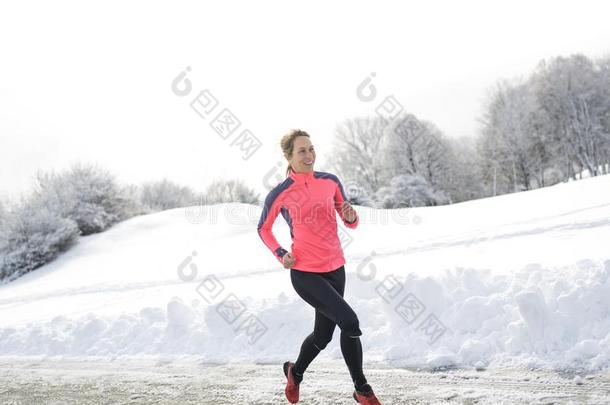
{"points": [[366, 398], [292, 387]]}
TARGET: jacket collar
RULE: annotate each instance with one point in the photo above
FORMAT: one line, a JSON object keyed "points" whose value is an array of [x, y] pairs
{"points": [[301, 177]]}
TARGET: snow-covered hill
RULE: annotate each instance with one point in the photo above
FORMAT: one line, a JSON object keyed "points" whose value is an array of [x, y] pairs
{"points": [[521, 279]]}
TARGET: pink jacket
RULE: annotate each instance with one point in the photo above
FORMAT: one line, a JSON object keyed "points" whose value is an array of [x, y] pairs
{"points": [[308, 202]]}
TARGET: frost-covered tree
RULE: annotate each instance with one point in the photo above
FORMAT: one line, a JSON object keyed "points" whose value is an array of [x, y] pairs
{"points": [[403, 152], [508, 137], [417, 147], [463, 180], [164, 194], [369, 153], [357, 152], [409, 190], [549, 127], [574, 100], [535, 132], [225, 191]]}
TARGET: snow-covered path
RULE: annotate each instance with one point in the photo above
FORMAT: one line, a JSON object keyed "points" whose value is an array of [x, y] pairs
{"points": [[179, 382]]}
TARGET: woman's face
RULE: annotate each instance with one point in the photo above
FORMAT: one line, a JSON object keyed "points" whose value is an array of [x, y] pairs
{"points": [[303, 155]]}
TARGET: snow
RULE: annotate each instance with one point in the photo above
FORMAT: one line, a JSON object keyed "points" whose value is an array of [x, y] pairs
{"points": [[520, 280]]}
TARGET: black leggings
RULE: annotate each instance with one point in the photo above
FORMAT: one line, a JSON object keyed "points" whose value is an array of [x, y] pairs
{"points": [[324, 291]]}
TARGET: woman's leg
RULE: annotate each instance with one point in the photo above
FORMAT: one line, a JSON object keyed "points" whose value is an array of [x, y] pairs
{"points": [[314, 343], [324, 291], [351, 347]]}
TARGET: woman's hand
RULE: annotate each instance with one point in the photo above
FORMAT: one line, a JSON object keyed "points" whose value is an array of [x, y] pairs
{"points": [[349, 213], [288, 260]]}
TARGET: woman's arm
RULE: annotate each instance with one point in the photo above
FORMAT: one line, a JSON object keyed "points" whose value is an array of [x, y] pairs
{"points": [[348, 214], [270, 212]]}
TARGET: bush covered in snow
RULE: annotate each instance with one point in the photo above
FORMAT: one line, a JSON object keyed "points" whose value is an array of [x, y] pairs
{"points": [[32, 235], [88, 195], [82, 200], [409, 191], [224, 191], [165, 194]]}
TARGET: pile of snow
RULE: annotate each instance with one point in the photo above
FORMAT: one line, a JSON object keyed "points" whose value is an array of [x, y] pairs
{"points": [[518, 280]]}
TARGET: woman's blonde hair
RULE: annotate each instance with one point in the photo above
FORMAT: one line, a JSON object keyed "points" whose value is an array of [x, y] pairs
{"points": [[287, 144]]}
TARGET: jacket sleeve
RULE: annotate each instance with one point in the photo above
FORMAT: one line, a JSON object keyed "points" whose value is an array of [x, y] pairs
{"points": [[270, 212], [340, 197]]}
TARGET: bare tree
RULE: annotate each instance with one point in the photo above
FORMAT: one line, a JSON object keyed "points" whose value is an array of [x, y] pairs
{"points": [[573, 94], [505, 135], [464, 180], [357, 153], [419, 147], [374, 153], [515, 145]]}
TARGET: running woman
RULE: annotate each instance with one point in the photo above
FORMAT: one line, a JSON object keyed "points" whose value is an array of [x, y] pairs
{"points": [[307, 200]]}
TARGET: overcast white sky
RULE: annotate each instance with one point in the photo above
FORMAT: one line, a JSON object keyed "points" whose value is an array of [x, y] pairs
{"points": [[92, 82]]}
